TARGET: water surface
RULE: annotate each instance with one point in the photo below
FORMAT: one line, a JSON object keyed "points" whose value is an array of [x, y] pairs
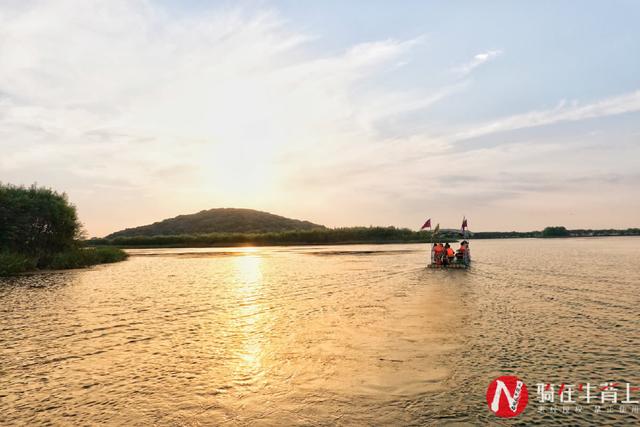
{"points": [[330, 335]]}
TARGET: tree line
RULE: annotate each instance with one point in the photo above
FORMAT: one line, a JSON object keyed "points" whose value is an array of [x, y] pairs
{"points": [[556, 231], [315, 236], [344, 235]]}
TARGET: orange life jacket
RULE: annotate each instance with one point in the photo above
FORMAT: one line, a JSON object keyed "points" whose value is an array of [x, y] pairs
{"points": [[438, 249], [450, 252]]}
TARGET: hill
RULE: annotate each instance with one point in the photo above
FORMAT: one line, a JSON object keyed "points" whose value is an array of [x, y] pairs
{"points": [[223, 220]]}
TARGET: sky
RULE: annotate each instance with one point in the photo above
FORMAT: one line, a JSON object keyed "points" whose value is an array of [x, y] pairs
{"points": [[518, 115]]}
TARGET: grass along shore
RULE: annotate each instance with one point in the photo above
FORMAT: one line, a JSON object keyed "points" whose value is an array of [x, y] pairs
{"points": [[12, 263]]}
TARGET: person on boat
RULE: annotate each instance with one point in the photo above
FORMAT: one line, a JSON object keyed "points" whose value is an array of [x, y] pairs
{"points": [[460, 253], [450, 253], [438, 252]]}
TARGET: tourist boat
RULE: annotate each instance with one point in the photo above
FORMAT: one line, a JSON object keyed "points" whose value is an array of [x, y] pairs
{"points": [[460, 260], [457, 262]]}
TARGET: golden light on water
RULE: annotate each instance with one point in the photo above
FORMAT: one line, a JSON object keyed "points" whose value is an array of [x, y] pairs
{"points": [[311, 336], [248, 316], [248, 272], [248, 250]]}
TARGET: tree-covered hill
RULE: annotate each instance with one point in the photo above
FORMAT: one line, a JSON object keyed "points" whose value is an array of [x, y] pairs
{"points": [[223, 220]]}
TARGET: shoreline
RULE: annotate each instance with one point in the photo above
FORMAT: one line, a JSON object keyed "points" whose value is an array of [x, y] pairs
{"points": [[15, 264], [387, 242]]}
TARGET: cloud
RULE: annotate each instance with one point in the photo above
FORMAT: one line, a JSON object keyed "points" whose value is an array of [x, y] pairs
{"points": [[562, 112], [122, 88], [479, 59], [140, 114]]}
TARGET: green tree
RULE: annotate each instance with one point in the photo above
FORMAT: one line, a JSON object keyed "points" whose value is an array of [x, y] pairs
{"points": [[36, 222], [557, 231]]}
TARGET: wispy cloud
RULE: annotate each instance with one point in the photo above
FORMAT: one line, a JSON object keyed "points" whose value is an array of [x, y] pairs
{"points": [[563, 112], [478, 60]]}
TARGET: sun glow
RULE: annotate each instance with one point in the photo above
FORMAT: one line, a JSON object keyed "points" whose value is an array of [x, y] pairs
{"points": [[248, 250], [238, 173]]}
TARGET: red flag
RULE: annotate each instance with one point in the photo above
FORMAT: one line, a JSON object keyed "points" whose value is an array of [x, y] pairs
{"points": [[426, 224], [464, 223]]}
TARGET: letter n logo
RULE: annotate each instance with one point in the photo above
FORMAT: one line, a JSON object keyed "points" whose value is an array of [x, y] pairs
{"points": [[507, 396]]}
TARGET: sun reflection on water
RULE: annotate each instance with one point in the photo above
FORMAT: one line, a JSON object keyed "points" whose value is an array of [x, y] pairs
{"points": [[249, 315]]}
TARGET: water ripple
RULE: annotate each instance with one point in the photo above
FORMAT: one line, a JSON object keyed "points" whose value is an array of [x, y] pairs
{"points": [[350, 335]]}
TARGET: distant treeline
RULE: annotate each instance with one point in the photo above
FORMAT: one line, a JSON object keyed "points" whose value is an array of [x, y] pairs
{"points": [[302, 237], [339, 236], [555, 232]]}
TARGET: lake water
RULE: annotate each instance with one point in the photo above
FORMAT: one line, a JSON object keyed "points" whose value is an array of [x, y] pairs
{"points": [[330, 335]]}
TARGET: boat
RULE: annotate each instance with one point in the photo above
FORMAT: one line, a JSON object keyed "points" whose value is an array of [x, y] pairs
{"points": [[455, 265], [458, 263], [462, 260]]}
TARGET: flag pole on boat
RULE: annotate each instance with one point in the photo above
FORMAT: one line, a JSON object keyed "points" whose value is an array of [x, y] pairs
{"points": [[427, 224], [464, 236], [464, 226]]}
